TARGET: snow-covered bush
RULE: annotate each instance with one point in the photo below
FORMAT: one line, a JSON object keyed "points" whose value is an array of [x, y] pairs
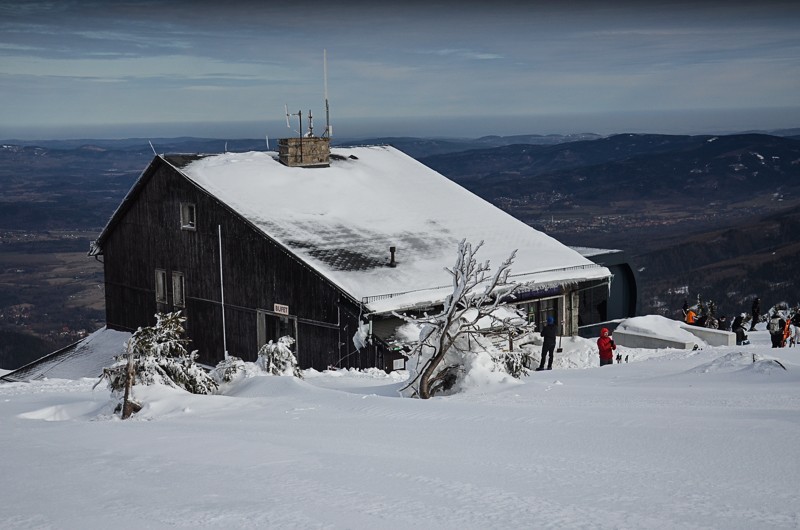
{"points": [[158, 355], [515, 362], [228, 370], [277, 358]]}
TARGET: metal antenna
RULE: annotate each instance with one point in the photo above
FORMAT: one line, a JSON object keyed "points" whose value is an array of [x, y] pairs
{"points": [[328, 129], [299, 116], [151, 147]]}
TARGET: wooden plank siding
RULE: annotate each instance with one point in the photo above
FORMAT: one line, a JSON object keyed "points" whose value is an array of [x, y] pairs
{"points": [[258, 273]]}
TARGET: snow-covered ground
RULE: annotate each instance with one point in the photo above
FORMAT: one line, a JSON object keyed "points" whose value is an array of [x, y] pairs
{"points": [[672, 439]]}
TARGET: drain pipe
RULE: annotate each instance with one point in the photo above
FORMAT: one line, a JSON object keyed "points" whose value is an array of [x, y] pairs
{"points": [[222, 294]]}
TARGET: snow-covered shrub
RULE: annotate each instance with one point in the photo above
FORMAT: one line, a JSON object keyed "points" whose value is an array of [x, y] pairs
{"points": [[159, 356], [277, 358], [514, 362], [228, 370]]}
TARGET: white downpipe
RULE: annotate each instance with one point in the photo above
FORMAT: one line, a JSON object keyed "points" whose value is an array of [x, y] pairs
{"points": [[222, 294]]}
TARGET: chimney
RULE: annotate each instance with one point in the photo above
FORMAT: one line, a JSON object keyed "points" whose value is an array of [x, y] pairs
{"points": [[392, 262], [308, 151]]}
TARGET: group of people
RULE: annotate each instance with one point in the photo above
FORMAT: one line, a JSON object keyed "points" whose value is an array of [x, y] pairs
{"points": [[701, 316], [784, 331]]}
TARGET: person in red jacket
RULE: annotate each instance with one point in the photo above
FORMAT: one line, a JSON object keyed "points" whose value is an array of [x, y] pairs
{"points": [[606, 347]]}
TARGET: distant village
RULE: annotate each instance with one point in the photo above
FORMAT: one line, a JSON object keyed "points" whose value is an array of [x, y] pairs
{"points": [[572, 217]]}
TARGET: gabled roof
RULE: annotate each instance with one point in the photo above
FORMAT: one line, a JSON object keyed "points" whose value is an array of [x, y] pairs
{"points": [[341, 220]]}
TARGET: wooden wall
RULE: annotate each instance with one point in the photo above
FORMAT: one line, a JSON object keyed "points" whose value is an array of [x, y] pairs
{"points": [[258, 273]]}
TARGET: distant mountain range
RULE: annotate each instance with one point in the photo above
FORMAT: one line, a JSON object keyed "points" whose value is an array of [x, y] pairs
{"points": [[632, 167]]}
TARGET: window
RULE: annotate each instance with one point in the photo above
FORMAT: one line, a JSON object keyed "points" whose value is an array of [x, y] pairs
{"points": [[188, 216], [539, 310], [161, 286], [178, 291], [593, 306]]}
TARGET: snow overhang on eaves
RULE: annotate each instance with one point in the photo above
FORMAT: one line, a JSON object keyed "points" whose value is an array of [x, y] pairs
{"points": [[566, 278]]}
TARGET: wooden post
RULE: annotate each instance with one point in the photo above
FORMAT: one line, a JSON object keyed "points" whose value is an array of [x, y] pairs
{"points": [[127, 404]]}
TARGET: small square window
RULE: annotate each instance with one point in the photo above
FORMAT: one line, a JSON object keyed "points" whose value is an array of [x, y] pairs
{"points": [[178, 290], [188, 216], [161, 286]]}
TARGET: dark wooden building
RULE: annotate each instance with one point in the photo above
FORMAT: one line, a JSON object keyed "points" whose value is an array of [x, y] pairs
{"points": [[250, 249]]}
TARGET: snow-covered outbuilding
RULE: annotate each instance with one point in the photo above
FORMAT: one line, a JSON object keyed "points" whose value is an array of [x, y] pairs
{"points": [[251, 249]]}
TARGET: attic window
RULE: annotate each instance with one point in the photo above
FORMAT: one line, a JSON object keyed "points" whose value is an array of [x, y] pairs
{"points": [[188, 216]]}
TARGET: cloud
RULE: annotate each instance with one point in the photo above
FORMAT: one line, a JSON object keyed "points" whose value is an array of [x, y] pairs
{"points": [[462, 53]]}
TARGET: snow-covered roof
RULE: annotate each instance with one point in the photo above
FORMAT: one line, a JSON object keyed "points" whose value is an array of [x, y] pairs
{"points": [[342, 219], [589, 252], [85, 358]]}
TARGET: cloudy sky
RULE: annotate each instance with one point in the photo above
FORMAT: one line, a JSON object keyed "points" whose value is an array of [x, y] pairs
{"points": [[437, 68]]}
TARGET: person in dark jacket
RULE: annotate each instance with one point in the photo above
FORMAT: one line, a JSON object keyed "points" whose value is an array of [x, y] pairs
{"points": [[756, 311], [606, 347], [776, 326], [549, 335], [738, 328]]}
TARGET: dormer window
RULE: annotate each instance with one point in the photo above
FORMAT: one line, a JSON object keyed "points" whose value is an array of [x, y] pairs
{"points": [[188, 216]]}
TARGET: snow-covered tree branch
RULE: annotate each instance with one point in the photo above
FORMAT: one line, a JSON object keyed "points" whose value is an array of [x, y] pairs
{"points": [[439, 358]]}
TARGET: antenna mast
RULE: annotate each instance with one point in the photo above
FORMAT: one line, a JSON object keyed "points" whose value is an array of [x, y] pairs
{"points": [[299, 115], [328, 129]]}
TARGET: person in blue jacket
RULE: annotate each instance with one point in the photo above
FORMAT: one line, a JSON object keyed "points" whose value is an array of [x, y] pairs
{"points": [[549, 335]]}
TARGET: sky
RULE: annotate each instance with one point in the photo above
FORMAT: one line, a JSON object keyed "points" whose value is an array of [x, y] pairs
{"points": [[673, 439], [231, 69]]}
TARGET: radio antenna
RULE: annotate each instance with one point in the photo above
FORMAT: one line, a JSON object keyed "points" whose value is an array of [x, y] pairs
{"points": [[299, 117], [328, 129]]}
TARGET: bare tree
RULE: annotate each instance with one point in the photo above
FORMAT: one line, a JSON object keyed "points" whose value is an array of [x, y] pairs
{"points": [[476, 295]]}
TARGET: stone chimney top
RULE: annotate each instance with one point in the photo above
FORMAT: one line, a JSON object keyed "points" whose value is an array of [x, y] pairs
{"points": [[307, 151]]}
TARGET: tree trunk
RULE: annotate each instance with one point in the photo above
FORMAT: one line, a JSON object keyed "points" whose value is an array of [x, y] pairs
{"points": [[127, 404]]}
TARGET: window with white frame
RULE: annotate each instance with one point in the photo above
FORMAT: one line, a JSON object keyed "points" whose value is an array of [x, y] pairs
{"points": [[161, 286], [178, 290], [188, 216]]}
